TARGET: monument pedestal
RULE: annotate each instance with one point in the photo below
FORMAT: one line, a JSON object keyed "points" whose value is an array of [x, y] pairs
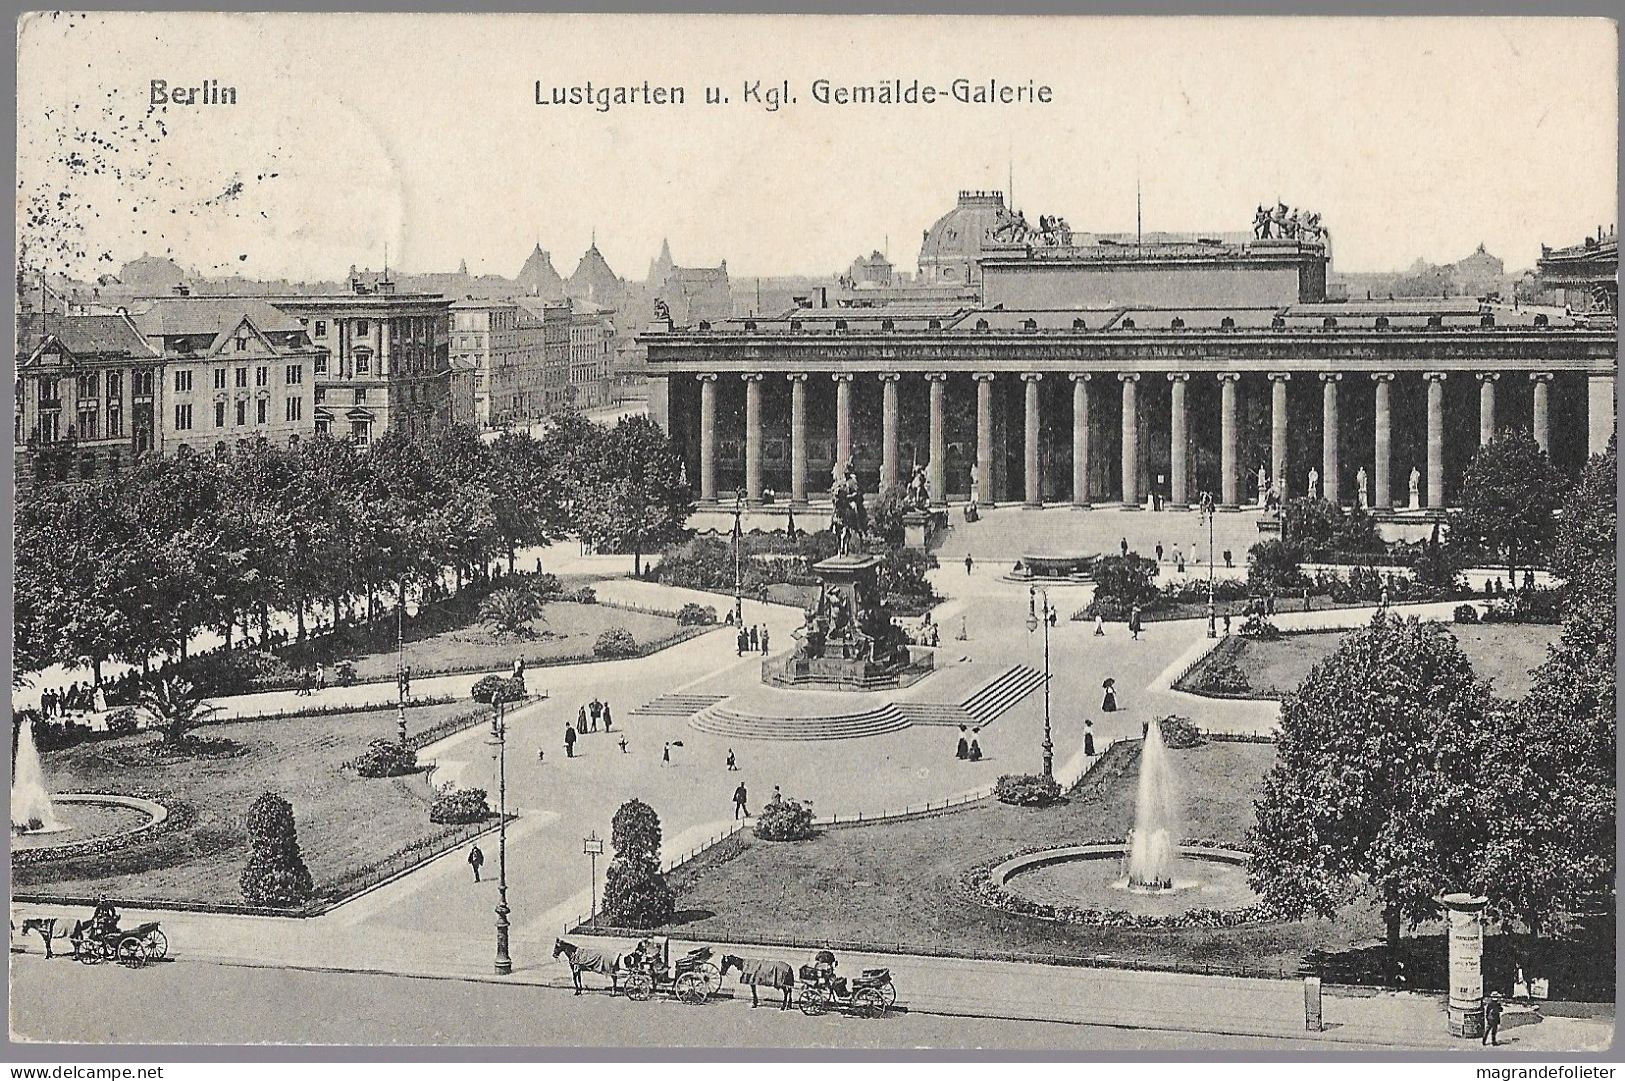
{"points": [[849, 642]]}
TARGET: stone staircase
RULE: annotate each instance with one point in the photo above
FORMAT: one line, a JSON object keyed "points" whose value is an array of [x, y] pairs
{"points": [[984, 704], [873, 722], [677, 705]]}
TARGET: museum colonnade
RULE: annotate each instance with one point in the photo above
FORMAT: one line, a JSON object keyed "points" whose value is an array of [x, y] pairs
{"points": [[1035, 405]]}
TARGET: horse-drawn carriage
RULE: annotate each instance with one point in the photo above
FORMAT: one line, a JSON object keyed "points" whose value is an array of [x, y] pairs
{"points": [[691, 978], [868, 995], [131, 947]]}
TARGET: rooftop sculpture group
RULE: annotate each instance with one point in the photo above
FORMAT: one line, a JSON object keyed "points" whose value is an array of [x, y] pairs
{"points": [[1012, 228], [1293, 225]]}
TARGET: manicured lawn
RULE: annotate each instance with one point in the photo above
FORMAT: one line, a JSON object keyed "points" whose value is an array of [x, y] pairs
{"points": [[1502, 653], [566, 629], [344, 821], [895, 884]]}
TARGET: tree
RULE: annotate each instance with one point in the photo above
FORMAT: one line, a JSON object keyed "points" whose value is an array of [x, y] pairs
{"points": [[1130, 579], [276, 873], [511, 610], [636, 500], [1310, 523], [1509, 499], [1377, 778], [636, 894], [175, 707], [1272, 566]]}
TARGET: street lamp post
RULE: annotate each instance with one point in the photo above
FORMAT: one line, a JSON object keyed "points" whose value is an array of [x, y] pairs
{"points": [[1035, 617], [739, 543], [400, 664], [499, 736], [1207, 513], [593, 846]]}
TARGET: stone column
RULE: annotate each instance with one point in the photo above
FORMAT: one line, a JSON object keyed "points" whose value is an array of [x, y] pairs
{"points": [[1178, 446], [1383, 441], [1435, 495], [1080, 439], [798, 439], [1278, 432], [936, 470], [708, 438], [1131, 440], [1030, 474], [1328, 437], [984, 438], [843, 420], [1486, 406], [1543, 426], [1600, 410], [753, 438], [1227, 440], [888, 430]]}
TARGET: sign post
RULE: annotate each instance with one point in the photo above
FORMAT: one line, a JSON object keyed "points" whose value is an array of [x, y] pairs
{"points": [[1466, 1007]]}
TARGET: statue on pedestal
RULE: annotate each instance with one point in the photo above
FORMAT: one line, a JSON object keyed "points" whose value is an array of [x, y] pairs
{"points": [[848, 516], [1263, 487], [1314, 483], [917, 494], [1416, 489], [1360, 480]]}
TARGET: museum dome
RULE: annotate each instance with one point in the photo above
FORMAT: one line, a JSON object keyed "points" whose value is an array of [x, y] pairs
{"points": [[952, 245]]}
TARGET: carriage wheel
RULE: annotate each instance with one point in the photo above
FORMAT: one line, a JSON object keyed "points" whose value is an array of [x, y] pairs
{"points": [[813, 1002], [640, 987], [132, 952], [889, 990], [157, 945], [869, 1002], [691, 988], [87, 951], [710, 976]]}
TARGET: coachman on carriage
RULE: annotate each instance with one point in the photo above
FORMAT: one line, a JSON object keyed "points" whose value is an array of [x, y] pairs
{"points": [[868, 995]]}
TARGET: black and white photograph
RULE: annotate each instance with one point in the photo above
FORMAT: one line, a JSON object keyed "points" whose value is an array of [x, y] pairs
{"points": [[856, 534]]}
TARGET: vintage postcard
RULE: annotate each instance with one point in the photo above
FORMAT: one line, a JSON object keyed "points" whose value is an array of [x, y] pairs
{"points": [[1070, 534]]}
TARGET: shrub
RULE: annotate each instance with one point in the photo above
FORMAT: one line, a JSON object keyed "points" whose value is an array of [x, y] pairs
{"points": [[122, 721], [1260, 628], [615, 642], [276, 873], [1178, 732], [696, 615], [635, 830], [1225, 677], [1026, 790], [636, 894], [546, 585], [585, 595], [510, 611], [1111, 609], [386, 758], [1272, 566], [786, 820], [459, 806], [344, 673], [1465, 613], [1129, 579], [499, 689]]}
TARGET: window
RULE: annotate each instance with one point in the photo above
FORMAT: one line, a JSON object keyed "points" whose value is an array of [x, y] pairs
{"points": [[183, 418], [242, 412], [321, 395], [115, 420], [47, 391], [361, 327], [321, 328], [220, 379], [324, 427], [183, 380], [242, 344], [242, 377], [87, 385], [260, 411], [320, 364], [262, 376], [143, 384], [363, 362], [87, 423], [360, 431], [115, 385], [295, 374], [360, 395], [219, 414], [295, 409]]}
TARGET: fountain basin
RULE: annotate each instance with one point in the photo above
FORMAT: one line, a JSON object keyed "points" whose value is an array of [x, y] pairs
{"points": [[1088, 885], [89, 822]]}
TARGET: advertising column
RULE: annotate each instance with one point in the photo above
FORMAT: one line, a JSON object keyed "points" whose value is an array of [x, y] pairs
{"points": [[1466, 1012]]}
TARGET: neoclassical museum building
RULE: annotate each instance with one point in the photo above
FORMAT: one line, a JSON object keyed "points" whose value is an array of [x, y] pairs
{"points": [[1104, 370]]}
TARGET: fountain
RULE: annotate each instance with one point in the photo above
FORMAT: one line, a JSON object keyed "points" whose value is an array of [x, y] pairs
{"points": [[1153, 845], [31, 808]]}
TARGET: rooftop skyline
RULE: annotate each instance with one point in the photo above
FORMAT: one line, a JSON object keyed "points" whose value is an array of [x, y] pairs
{"points": [[1415, 138]]}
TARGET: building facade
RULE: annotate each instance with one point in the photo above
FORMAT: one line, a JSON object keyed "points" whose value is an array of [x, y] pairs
{"points": [[592, 353], [1229, 374], [383, 361], [485, 342], [1583, 277], [234, 369]]}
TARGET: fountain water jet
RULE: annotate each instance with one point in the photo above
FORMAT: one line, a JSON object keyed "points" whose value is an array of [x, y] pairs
{"points": [[1154, 844], [31, 808]]}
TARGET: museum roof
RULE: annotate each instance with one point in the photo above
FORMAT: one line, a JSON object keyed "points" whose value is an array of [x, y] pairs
{"points": [[85, 335]]}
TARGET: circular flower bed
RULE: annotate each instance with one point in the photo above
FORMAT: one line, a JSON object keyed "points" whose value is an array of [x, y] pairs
{"points": [[980, 885]]}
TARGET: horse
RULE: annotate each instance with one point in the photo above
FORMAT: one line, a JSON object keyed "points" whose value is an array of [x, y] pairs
{"points": [[586, 959], [50, 927], [762, 972]]}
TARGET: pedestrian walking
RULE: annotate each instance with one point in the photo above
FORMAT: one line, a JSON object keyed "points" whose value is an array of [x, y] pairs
{"points": [[569, 742], [305, 681], [606, 717], [406, 681], [1108, 704], [962, 751], [1227, 623], [743, 641], [321, 677], [1227, 560], [1492, 1019], [975, 747], [476, 860], [764, 639], [968, 562], [99, 699], [581, 719], [1134, 622], [541, 755], [1306, 598], [1159, 551], [1088, 739], [665, 757], [623, 744], [594, 708], [1100, 625], [755, 638], [777, 798], [733, 766], [740, 810]]}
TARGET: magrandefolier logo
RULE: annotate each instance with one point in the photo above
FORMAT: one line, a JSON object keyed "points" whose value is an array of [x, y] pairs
{"points": [[1546, 1073]]}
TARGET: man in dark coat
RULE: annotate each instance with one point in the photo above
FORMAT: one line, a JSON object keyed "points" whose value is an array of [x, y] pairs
{"points": [[476, 860], [1492, 1019], [740, 796], [569, 742]]}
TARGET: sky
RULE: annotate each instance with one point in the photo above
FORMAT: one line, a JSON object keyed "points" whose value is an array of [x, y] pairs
{"points": [[419, 135]]}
